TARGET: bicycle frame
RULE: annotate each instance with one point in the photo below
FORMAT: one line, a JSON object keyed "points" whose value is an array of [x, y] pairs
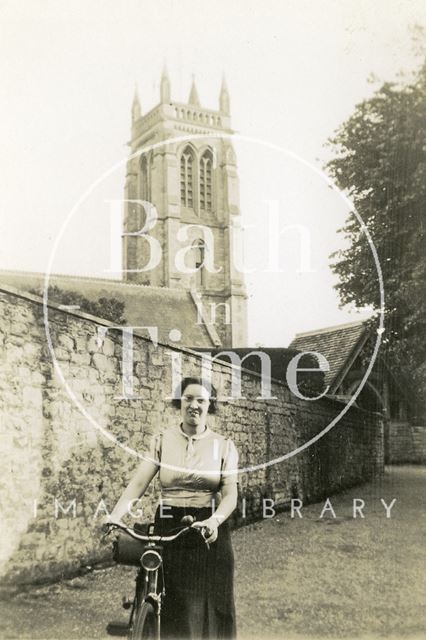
{"points": [[148, 587]]}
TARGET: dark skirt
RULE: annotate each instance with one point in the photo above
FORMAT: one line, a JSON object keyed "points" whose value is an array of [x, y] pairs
{"points": [[199, 591]]}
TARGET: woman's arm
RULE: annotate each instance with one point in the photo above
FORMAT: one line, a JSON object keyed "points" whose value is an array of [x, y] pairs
{"points": [[226, 507], [228, 503], [135, 489]]}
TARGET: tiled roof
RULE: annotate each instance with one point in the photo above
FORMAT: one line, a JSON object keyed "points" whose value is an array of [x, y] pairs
{"points": [[144, 305], [338, 344]]}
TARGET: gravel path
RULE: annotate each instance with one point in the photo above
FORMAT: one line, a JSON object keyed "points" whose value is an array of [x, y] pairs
{"points": [[295, 578]]}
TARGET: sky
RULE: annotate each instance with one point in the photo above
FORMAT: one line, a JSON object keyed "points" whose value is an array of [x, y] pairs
{"points": [[295, 71]]}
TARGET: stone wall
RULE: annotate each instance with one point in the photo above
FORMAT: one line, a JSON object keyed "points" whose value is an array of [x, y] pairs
{"points": [[406, 443], [57, 455]]}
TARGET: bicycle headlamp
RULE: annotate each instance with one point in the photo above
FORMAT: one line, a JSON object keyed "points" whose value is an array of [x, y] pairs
{"points": [[151, 560]]}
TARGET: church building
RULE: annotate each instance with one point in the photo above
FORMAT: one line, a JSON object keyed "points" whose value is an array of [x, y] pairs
{"points": [[181, 213]]}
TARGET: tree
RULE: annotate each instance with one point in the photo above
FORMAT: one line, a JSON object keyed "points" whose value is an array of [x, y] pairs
{"points": [[381, 163], [107, 308]]}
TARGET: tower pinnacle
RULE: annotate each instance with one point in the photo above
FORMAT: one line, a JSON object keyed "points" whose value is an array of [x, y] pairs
{"points": [[136, 106], [224, 102], [193, 96], [165, 86]]}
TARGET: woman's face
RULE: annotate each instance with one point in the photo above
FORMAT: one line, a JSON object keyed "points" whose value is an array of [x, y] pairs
{"points": [[195, 405]]}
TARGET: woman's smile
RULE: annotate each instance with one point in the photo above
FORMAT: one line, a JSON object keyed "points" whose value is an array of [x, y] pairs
{"points": [[194, 415]]}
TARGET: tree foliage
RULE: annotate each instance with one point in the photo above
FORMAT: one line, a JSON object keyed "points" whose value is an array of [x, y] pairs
{"points": [[105, 307], [380, 161]]}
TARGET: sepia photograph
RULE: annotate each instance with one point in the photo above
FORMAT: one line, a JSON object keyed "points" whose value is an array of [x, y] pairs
{"points": [[213, 319]]}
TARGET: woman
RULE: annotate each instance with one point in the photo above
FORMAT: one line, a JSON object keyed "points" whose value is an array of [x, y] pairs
{"points": [[195, 464]]}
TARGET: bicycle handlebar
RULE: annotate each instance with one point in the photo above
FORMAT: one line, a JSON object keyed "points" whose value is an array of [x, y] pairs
{"points": [[144, 538]]}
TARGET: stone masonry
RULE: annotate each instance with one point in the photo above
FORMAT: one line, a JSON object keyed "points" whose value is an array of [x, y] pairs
{"points": [[56, 457], [407, 443]]}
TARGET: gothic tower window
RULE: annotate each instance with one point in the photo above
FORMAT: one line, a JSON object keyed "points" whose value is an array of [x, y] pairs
{"points": [[147, 164], [187, 178], [199, 255], [206, 164]]}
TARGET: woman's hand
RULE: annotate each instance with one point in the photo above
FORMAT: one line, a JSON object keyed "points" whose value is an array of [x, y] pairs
{"points": [[107, 520], [210, 527]]}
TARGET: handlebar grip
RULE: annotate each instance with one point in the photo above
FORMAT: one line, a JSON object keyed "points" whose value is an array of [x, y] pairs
{"points": [[106, 529]]}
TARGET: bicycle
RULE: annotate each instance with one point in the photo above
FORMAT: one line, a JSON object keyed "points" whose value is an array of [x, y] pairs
{"points": [[145, 616]]}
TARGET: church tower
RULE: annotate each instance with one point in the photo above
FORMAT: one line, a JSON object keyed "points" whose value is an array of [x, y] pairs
{"points": [[192, 181]]}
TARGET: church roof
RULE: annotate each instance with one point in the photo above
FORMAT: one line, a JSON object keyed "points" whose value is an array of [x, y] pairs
{"points": [[339, 345], [160, 307]]}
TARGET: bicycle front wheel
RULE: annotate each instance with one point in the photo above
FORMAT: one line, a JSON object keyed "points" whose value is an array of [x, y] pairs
{"points": [[145, 626]]}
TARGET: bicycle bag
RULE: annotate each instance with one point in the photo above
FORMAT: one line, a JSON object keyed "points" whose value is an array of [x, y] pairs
{"points": [[128, 551]]}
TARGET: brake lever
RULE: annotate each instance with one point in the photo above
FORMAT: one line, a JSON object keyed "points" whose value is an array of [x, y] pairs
{"points": [[206, 533], [109, 526], [104, 536]]}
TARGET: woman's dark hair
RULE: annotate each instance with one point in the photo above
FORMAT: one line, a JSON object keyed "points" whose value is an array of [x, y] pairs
{"points": [[185, 382]]}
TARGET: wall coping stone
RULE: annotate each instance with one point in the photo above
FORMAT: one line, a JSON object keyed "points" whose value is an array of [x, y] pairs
{"points": [[6, 289]]}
